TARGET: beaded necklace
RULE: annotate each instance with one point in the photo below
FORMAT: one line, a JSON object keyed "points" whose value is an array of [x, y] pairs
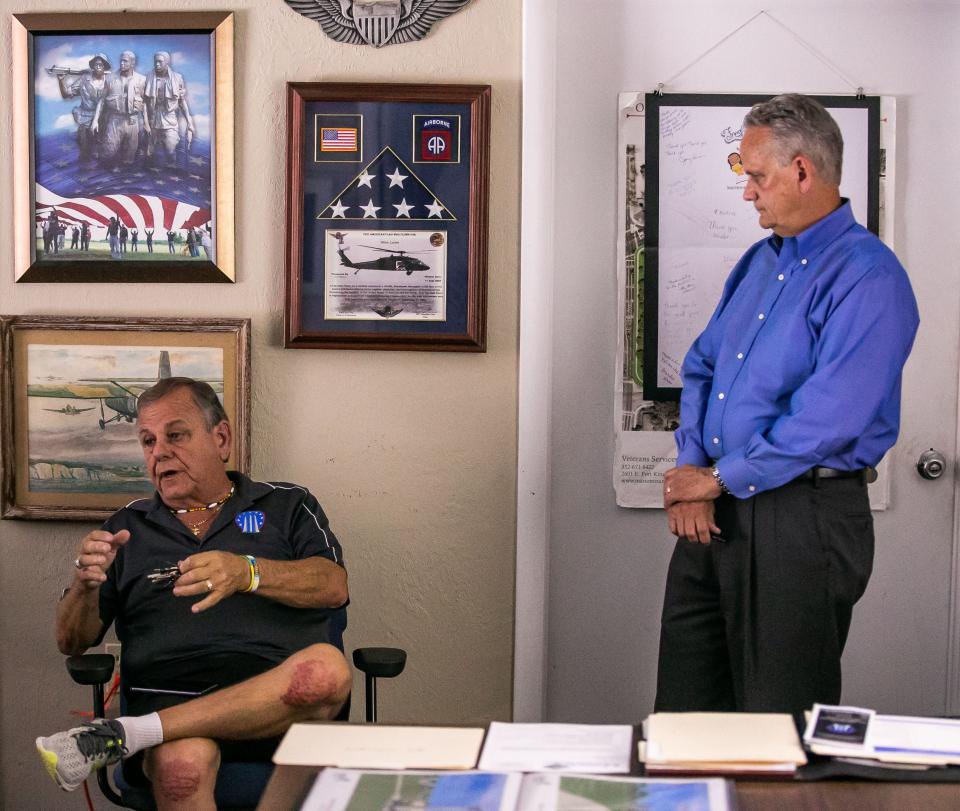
{"points": [[218, 503]]}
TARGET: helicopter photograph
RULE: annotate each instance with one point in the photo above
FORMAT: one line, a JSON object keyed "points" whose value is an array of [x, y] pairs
{"points": [[376, 275], [395, 260]]}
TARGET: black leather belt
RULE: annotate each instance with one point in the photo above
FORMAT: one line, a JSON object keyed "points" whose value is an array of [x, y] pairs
{"points": [[815, 474]]}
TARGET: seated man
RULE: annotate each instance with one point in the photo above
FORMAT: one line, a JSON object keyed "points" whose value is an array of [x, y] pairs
{"points": [[219, 585]]}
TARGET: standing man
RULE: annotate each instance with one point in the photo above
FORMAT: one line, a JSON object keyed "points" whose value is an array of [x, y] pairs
{"points": [[89, 88], [150, 240], [171, 236], [790, 397], [85, 237], [166, 95], [234, 586], [124, 109], [113, 235]]}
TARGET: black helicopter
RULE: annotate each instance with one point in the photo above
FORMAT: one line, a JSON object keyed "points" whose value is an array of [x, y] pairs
{"points": [[397, 260]]}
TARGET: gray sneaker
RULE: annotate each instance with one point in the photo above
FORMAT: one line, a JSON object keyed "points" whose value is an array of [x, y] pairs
{"points": [[70, 756]]}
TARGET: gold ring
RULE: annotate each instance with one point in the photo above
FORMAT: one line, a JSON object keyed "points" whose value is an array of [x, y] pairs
{"points": [[209, 586]]}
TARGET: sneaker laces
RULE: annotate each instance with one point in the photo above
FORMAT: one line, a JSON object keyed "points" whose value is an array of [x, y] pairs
{"points": [[99, 741]]}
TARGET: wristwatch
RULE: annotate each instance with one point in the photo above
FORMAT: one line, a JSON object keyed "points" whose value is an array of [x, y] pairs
{"points": [[720, 481]]}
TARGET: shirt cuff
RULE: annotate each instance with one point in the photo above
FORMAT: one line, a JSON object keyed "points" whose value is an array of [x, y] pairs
{"points": [[736, 474], [693, 456]]}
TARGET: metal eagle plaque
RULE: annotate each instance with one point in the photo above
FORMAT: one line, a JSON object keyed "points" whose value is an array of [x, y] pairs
{"points": [[376, 22]]}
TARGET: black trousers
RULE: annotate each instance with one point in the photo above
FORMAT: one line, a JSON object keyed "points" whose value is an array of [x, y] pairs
{"points": [[757, 623]]}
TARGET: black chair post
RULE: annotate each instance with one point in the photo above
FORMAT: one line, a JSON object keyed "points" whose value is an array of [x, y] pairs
{"points": [[377, 662], [96, 669]]}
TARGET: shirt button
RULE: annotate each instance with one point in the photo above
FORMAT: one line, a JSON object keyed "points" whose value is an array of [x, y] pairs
{"points": [[780, 277], [752, 488], [803, 261], [716, 440], [760, 316], [739, 355], [721, 395]]}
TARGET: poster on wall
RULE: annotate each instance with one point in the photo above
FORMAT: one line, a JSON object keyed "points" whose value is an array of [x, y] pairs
{"points": [[123, 147], [689, 190]]}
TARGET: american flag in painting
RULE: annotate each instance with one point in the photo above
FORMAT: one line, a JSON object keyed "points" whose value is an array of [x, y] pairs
{"points": [[338, 139], [140, 196], [141, 211]]}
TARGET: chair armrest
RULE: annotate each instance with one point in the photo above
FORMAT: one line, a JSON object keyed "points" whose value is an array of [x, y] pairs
{"points": [[91, 668]]}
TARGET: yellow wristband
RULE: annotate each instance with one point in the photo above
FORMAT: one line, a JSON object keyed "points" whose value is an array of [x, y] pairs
{"points": [[254, 574]]}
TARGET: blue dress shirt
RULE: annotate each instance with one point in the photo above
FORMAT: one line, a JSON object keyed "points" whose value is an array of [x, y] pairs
{"points": [[800, 364]]}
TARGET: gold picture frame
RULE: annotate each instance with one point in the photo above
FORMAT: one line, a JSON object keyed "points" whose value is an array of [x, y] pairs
{"points": [[69, 175], [68, 392]]}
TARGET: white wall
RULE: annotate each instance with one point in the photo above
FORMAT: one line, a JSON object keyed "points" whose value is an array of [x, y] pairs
{"points": [[412, 454], [606, 565]]}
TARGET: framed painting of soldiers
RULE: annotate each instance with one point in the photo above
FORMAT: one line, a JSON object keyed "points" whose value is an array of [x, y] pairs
{"points": [[68, 404], [123, 147], [387, 216]]}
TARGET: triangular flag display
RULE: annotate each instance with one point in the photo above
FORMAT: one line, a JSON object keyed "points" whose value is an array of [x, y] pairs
{"points": [[386, 189]]}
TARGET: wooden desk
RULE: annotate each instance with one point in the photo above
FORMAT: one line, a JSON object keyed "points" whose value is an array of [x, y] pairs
{"points": [[289, 786]]}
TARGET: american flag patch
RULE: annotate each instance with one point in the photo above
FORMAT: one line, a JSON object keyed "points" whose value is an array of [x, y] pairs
{"points": [[338, 139], [250, 521]]}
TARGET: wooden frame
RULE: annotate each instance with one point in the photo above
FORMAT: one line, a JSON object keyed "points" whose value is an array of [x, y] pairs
{"points": [[381, 178], [171, 184], [63, 461]]}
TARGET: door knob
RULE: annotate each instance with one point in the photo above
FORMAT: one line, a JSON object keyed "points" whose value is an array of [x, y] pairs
{"points": [[931, 464]]}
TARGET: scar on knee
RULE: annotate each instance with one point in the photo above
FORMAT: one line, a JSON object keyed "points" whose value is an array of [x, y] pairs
{"points": [[310, 684], [178, 780]]}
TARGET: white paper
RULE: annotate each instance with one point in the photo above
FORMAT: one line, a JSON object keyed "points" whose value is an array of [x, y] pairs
{"points": [[923, 739], [370, 746], [596, 748]]}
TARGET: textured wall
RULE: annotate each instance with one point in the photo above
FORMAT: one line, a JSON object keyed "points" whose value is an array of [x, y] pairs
{"points": [[411, 454]]}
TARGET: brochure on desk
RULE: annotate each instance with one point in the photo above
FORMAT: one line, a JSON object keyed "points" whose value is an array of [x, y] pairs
{"points": [[355, 790]]}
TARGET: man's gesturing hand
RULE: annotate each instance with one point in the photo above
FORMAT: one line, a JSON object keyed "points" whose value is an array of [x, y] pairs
{"points": [[692, 520], [214, 574], [689, 483], [95, 555]]}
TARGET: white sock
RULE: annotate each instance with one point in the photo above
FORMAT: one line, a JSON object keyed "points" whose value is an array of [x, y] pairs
{"points": [[142, 731]]}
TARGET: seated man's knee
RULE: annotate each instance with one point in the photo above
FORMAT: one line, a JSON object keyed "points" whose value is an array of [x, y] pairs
{"points": [[181, 770], [319, 675]]}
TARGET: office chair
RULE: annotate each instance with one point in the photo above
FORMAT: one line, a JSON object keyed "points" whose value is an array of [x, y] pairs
{"points": [[239, 784]]}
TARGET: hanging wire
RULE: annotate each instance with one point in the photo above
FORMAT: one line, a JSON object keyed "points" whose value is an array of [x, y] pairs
{"points": [[764, 13]]}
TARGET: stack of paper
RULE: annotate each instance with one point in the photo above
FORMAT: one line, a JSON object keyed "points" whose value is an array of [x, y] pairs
{"points": [[721, 743], [592, 748], [370, 746], [857, 733]]}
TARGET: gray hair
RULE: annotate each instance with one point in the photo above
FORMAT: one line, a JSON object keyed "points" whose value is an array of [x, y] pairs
{"points": [[202, 393], [801, 125]]}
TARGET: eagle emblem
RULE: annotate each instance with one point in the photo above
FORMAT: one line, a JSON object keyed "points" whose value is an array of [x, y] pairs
{"points": [[376, 22]]}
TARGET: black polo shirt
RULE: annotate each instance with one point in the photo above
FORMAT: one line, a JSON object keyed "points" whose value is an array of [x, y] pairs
{"points": [[158, 629]]}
